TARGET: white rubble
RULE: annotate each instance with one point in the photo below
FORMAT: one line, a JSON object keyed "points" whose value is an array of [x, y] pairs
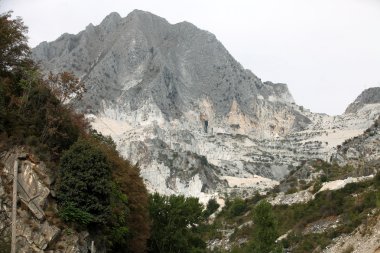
{"points": [[339, 184]]}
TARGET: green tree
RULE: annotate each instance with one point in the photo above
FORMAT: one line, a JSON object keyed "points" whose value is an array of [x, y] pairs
{"points": [[84, 184], [237, 207], [104, 193], [14, 50], [127, 177], [29, 112], [211, 207], [265, 229], [175, 220]]}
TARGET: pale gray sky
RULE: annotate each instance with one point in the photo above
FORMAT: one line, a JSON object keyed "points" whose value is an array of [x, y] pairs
{"points": [[327, 51]]}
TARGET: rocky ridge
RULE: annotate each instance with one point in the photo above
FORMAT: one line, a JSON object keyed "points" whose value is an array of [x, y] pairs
{"points": [[368, 96], [362, 150], [175, 101]]}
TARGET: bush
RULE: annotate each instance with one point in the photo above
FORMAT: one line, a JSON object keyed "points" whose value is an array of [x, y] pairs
{"points": [[175, 224], [323, 178], [70, 213], [84, 182], [131, 188], [237, 207], [265, 231], [211, 208]]}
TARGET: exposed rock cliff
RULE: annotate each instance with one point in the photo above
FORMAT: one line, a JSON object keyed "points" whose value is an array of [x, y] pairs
{"points": [[362, 151], [367, 97], [142, 66], [38, 226], [164, 92]]}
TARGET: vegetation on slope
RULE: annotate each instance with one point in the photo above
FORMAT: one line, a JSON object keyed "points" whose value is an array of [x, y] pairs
{"points": [[176, 224], [97, 189]]}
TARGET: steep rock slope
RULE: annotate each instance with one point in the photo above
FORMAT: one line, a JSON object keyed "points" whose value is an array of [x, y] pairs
{"points": [[141, 66], [368, 96], [38, 227], [362, 151], [180, 105]]}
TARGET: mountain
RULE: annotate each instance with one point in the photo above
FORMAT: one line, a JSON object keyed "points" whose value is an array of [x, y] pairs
{"points": [[198, 123], [142, 65], [367, 97]]}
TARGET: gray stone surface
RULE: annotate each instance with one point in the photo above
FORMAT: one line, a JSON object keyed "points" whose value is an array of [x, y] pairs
{"points": [[368, 96], [128, 62], [35, 232], [175, 101], [362, 151]]}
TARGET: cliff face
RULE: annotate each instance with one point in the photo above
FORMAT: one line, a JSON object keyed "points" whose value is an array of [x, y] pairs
{"points": [[175, 101], [362, 151], [367, 97], [38, 227], [142, 65]]}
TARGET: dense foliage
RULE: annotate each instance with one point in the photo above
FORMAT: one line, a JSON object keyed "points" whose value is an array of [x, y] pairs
{"points": [[175, 222], [85, 183], [212, 207], [97, 189], [14, 50], [265, 232], [127, 178]]}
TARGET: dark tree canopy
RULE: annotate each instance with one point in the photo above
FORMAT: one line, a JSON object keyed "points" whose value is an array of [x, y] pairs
{"points": [[14, 50], [175, 221], [85, 181], [265, 229]]}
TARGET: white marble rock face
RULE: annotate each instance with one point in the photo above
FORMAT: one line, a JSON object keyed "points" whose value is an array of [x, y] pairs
{"points": [[175, 101]]}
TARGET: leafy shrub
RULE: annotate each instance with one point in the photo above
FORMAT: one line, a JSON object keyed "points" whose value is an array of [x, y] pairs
{"points": [[132, 192], [237, 207], [265, 230], [323, 178], [211, 208], [93, 181], [70, 213], [175, 223], [84, 181]]}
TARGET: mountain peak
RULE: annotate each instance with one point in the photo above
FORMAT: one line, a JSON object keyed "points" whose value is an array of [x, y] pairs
{"points": [[368, 96], [141, 13], [145, 16], [176, 68], [175, 99], [112, 17]]}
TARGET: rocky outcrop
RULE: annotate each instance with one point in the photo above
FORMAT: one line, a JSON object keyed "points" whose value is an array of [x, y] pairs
{"points": [[291, 199], [367, 97], [364, 239], [38, 227], [362, 151]]}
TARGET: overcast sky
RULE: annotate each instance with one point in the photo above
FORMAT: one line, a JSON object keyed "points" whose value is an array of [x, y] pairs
{"points": [[327, 51]]}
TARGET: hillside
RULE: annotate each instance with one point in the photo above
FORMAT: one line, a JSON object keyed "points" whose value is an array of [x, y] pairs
{"points": [[73, 188], [319, 207]]}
